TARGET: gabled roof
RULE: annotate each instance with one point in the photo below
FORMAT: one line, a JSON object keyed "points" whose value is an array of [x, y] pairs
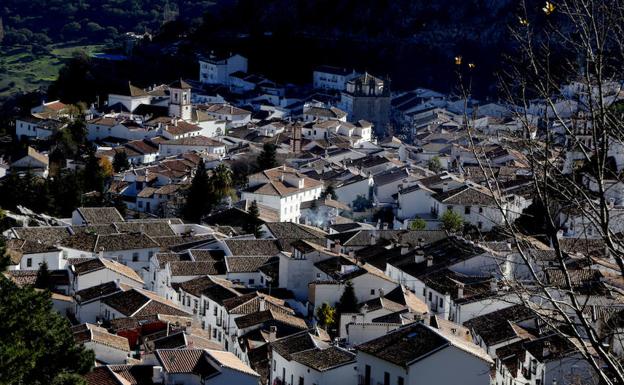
{"points": [[466, 195], [275, 182], [253, 302], [272, 317], [96, 264], [85, 333], [192, 361], [45, 234], [138, 302], [253, 247], [100, 215], [209, 287], [197, 140], [94, 292], [248, 264], [190, 268], [414, 342], [103, 375], [324, 359], [496, 327], [295, 343]]}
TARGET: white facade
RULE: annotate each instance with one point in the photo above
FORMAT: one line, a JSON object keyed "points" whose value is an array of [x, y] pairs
{"points": [[293, 372], [97, 277], [334, 80], [107, 354], [180, 103], [296, 271], [31, 129], [432, 369], [212, 71], [130, 102], [33, 261], [287, 204], [167, 149], [348, 192]]}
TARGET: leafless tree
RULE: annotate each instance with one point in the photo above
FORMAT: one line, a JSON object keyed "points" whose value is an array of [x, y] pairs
{"points": [[573, 140]]}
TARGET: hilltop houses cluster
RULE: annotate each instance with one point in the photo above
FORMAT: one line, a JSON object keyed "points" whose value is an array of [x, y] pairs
{"points": [[356, 206]]}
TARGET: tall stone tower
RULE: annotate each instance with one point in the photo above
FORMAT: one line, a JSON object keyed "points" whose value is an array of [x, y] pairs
{"points": [[180, 100]]}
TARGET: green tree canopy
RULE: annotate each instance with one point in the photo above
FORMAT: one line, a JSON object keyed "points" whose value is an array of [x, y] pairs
{"points": [[43, 280], [348, 301], [451, 221], [267, 157], [361, 203], [221, 182], [326, 316], [36, 344], [120, 161], [418, 224], [435, 164], [199, 198], [93, 175], [254, 225]]}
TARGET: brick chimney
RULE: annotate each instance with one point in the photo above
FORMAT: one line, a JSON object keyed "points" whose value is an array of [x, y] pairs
{"points": [[460, 291], [336, 247]]}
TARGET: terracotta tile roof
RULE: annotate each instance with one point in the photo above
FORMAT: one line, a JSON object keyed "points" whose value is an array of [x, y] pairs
{"points": [[495, 327], [274, 182], [197, 140], [45, 234], [288, 346], [248, 264], [262, 317], [16, 248], [100, 215], [409, 344], [252, 302], [134, 374], [229, 360], [466, 195], [181, 127], [96, 264], [91, 333], [155, 307], [253, 247], [103, 375], [164, 258], [216, 290], [185, 361], [29, 277], [118, 242], [324, 359], [94, 292], [190, 268], [150, 228], [207, 255], [137, 302], [223, 109]]}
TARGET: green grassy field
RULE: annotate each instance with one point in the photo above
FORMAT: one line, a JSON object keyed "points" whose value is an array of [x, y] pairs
{"points": [[23, 70]]}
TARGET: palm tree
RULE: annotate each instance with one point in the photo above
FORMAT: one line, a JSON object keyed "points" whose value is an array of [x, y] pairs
{"points": [[222, 181]]}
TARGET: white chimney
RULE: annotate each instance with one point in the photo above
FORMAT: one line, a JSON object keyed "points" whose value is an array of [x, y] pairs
{"points": [[429, 261], [157, 374], [493, 285], [272, 333], [460, 291], [262, 304]]}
